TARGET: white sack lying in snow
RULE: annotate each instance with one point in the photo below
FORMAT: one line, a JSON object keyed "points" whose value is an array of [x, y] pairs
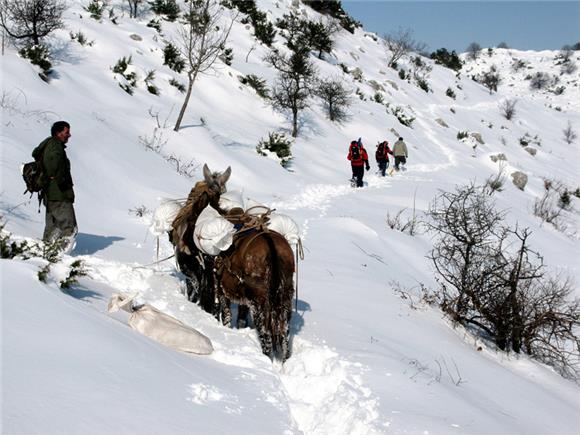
{"points": [[231, 199], [161, 327], [213, 233], [286, 226], [163, 217]]}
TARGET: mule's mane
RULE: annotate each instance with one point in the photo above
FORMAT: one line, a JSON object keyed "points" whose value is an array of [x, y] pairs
{"points": [[198, 199]]}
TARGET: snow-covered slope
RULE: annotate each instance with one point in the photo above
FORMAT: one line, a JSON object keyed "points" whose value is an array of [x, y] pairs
{"points": [[364, 359]]}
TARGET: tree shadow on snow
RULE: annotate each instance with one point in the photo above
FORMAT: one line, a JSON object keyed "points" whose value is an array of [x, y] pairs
{"points": [[88, 244], [82, 293]]}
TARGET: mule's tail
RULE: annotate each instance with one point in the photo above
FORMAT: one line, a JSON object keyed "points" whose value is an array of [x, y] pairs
{"points": [[281, 292]]}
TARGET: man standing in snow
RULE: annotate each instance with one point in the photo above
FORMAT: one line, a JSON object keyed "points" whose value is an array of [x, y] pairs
{"points": [[400, 153], [358, 160], [58, 195]]}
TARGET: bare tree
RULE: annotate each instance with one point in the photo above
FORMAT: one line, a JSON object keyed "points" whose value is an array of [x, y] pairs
{"points": [[400, 43], [473, 51], [569, 134], [201, 40], [133, 7], [294, 84], [508, 108], [565, 54], [491, 79], [491, 279], [31, 20], [336, 97]]}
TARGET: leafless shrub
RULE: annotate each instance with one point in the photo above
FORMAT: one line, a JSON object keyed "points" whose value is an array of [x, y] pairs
{"points": [[410, 225], [473, 50], [496, 182], [569, 134], [508, 108], [492, 281], [139, 211], [540, 80], [336, 97], [400, 43]]}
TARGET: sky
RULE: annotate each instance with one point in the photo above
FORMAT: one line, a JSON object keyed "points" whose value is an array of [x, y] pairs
{"points": [[454, 25]]}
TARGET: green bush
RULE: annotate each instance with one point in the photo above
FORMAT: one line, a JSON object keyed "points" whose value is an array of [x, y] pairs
{"points": [[169, 8], [278, 144], [130, 77], [449, 60], [38, 55], [96, 9], [256, 83], [462, 135], [450, 93], [172, 58], [180, 86], [155, 24], [403, 118]]}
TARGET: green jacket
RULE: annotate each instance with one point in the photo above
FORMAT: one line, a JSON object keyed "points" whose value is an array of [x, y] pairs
{"points": [[57, 170]]}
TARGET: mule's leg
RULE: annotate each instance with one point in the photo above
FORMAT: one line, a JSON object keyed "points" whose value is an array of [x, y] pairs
{"points": [[243, 313], [263, 331], [226, 310], [286, 351]]}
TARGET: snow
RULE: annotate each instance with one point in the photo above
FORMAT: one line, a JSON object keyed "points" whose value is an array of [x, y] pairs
{"points": [[366, 360]]}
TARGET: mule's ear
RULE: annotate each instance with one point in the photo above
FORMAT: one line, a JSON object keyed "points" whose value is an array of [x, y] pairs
{"points": [[224, 177], [206, 173]]}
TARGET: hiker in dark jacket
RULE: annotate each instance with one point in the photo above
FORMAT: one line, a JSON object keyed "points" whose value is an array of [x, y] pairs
{"points": [[359, 159], [382, 156], [58, 195], [400, 153]]}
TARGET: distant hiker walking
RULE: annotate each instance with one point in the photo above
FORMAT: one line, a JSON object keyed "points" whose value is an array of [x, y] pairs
{"points": [[400, 153], [382, 156], [359, 159], [58, 195]]}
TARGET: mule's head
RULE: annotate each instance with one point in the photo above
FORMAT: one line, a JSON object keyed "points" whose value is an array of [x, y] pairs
{"points": [[216, 181]]}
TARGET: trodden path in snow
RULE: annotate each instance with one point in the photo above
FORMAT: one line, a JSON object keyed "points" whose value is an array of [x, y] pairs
{"points": [[323, 391]]}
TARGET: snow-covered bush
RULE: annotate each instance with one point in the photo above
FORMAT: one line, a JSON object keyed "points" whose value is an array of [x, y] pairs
{"points": [[540, 80], [450, 93], [403, 118], [508, 108], [96, 8], [277, 144], [130, 78], [569, 134], [38, 55], [81, 38]]}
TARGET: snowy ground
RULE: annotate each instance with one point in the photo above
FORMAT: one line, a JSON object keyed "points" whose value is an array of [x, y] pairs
{"points": [[365, 360]]}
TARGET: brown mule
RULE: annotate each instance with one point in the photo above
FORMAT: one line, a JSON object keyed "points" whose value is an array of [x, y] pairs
{"points": [[195, 265], [257, 271]]}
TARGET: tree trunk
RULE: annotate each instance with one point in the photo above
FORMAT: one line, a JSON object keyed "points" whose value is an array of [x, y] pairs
{"points": [[294, 122], [191, 78]]}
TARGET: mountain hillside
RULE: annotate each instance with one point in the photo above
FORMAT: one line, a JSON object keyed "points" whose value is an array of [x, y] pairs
{"points": [[369, 355]]}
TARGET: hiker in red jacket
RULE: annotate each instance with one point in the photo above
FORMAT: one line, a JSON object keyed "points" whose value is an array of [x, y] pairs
{"points": [[359, 159], [382, 156]]}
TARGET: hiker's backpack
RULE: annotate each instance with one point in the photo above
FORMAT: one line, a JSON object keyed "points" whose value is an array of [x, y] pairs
{"points": [[354, 152], [381, 152], [33, 176]]}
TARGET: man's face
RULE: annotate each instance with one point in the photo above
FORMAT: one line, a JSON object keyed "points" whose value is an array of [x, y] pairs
{"points": [[63, 135]]}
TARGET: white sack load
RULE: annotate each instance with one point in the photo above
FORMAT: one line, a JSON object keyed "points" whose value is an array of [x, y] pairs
{"points": [[161, 327], [163, 217], [286, 226], [213, 233], [254, 208], [231, 199]]}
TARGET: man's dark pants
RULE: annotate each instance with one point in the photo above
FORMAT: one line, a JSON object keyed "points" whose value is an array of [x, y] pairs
{"points": [[61, 221]]}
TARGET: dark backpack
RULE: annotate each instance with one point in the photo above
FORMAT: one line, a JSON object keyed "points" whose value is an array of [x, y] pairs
{"points": [[33, 176], [381, 152], [354, 152]]}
